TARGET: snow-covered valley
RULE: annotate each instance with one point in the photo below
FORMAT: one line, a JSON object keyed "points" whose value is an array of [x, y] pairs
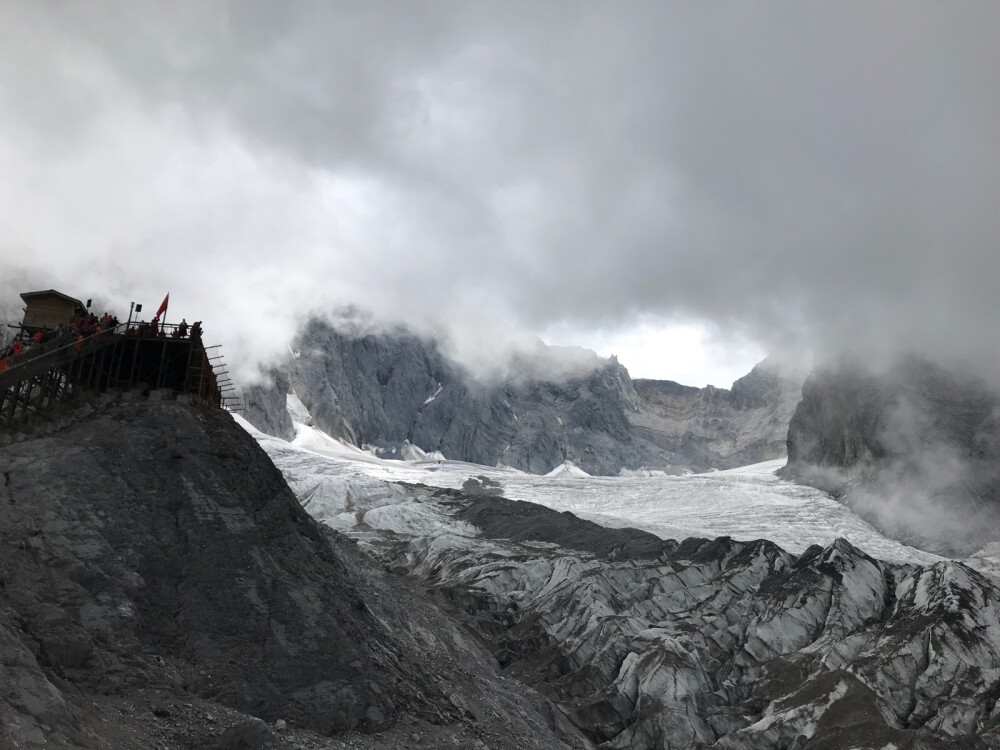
{"points": [[336, 480], [731, 609]]}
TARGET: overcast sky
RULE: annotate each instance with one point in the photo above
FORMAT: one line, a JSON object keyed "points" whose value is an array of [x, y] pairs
{"points": [[689, 185]]}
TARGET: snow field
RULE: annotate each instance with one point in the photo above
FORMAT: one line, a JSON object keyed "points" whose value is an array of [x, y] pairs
{"points": [[343, 486]]}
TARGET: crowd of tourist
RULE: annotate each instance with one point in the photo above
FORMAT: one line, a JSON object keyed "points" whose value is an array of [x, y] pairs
{"points": [[31, 345], [27, 346], [156, 329]]}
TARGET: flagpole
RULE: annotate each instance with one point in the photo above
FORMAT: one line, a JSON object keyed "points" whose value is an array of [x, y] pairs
{"points": [[163, 306]]}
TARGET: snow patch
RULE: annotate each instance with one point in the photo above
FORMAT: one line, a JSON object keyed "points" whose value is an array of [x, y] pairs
{"points": [[434, 395], [986, 560], [413, 452], [642, 471], [297, 410], [567, 470]]}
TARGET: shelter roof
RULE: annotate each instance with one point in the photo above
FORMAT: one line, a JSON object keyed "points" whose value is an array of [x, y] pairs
{"points": [[28, 296]]}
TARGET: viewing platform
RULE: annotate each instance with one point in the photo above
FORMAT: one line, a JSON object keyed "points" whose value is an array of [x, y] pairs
{"points": [[56, 367]]}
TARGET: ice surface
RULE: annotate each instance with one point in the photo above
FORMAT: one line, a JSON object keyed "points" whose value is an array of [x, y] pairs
{"points": [[337, 482]]}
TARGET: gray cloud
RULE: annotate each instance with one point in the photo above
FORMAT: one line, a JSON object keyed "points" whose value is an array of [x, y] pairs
{"points": [[793, 173]]}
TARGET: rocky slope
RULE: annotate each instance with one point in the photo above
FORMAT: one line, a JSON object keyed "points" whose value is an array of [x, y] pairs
{"points": [[703, 643], [160, 586], [386, 389], [915, 449]]}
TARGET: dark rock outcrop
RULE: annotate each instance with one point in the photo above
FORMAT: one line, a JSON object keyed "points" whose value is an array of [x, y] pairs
{"points": [[154, 548], [914, 449], [387, 389], [719, 643]]}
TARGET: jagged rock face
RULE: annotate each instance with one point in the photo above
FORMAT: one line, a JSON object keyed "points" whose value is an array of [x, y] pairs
{"points": [[265, 404], [387, 388], [382, 389], [155, 547], [536, 425], [647, 643], [714, 427], [366, 388], [914, 449], [837, 421]]}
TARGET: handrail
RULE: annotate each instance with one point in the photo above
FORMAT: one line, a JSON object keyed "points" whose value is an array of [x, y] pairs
{"points": [[136, 329], [31, 358], [140, 328], [41, 357]]}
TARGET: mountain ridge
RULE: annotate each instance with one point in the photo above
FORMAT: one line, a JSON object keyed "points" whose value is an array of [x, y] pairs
{"points": [[383, 388]]}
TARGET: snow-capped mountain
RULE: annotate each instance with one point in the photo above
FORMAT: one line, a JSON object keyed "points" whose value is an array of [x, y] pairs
{"points": [[724, 610], [549, 406]]}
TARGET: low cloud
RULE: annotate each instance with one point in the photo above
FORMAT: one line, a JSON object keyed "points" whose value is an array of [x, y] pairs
{"points": [[913, 448], [795, 176]]}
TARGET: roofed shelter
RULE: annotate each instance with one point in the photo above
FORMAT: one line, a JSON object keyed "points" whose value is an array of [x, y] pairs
{"points": [[49, 309]]}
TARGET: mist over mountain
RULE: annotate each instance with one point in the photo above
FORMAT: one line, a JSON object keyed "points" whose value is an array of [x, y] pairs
{"points": [[794, 175], [164, 585], [545, 406], [914, 447], [549, 560]]}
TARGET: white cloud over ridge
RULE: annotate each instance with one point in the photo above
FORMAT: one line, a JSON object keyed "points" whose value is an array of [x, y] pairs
{"points": [[786, 173]]}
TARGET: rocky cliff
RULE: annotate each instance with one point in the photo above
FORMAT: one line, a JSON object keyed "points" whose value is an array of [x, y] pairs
{"points": [[160, 586], [265, 404], [718, 428], [381, 389], [914, 448]]}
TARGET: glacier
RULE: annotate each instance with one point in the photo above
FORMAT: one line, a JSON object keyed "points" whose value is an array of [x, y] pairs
{"points": [[777, 619], [333, 477]]}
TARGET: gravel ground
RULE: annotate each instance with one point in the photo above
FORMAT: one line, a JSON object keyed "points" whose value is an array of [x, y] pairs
{"points": [[151, 721]]}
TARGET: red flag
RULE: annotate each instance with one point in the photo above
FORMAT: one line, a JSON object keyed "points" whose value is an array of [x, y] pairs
{"points": [[163, 305]]}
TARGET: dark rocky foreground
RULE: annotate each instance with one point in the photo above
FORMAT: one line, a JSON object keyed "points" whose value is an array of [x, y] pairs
{"points": [[160, 586], [388, 388], [646, 643], [915, 449]]}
